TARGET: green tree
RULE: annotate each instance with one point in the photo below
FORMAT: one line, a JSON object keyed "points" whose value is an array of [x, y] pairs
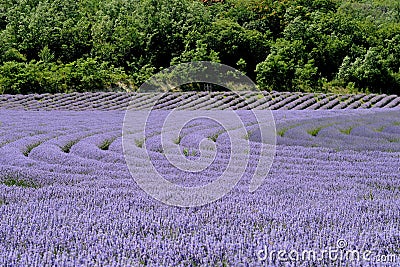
{"points": [[369, 72], [278, 71], [200, 53]]}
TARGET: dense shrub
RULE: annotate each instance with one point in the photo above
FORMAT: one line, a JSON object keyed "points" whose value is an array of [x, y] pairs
{"points": [[49, 77]]}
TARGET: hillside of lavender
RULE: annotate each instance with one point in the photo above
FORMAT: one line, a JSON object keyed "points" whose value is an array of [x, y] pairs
{"points": [[67, 197]]}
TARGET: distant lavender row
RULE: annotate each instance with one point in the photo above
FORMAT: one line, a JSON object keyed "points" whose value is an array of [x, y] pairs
{"points": [[192, 101], [373, 130], [67, 198]]}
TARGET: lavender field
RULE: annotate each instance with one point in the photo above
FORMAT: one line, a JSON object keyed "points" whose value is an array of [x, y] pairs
{"points": [[200, 100], [67, 197]]}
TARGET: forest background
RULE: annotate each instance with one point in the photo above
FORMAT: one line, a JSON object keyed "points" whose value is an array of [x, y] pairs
{"points": [[331, 46]]}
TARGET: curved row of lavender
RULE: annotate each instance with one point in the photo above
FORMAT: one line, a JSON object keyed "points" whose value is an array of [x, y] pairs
{"points": [[193, 101], [68, 199]]}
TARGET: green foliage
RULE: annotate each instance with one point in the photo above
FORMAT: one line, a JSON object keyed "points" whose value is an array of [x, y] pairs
{"points": [[186, 152], [341, 46], [93, 74], [284, 68], [15, 180], [29, 148], [233, 42], [178, 140], [139, 143], [281, 132], [214, 137], [105, 145], [199, 53], [314, 131], [369, 196], [40, 77], [68, 146], [347, 130], [380, 129], [306, 77], [369, 71]]}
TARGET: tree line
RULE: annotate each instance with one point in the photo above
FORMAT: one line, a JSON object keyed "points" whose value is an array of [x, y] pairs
{"points": [[340, 46]]}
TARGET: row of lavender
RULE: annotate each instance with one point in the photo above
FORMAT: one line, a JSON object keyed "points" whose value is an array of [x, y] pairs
{"points": [[193, 101], [343, 130], [68, 199]]}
